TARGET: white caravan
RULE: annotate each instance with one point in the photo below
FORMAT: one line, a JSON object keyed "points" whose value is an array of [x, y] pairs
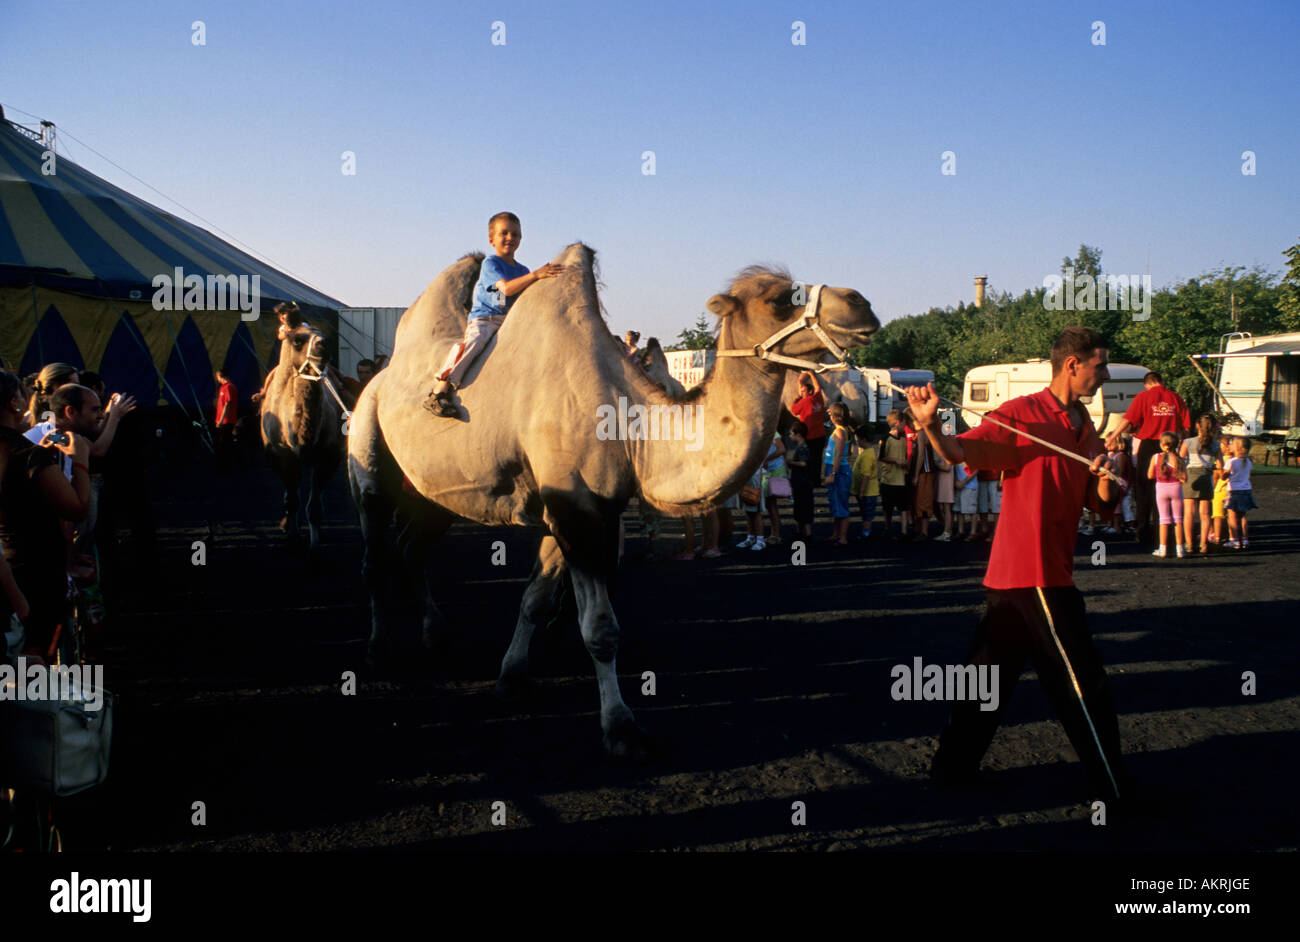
{"points": [[867, 391], [987, 387], [1258, 382]]}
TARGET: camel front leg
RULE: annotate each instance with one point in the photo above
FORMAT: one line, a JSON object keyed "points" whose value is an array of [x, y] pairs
{"points": [[623, 738], [288, 472], [317, 477], [537, 606]]}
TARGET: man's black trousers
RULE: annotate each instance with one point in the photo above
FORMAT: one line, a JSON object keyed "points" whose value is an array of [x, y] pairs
{"points": [[1016, 628]]}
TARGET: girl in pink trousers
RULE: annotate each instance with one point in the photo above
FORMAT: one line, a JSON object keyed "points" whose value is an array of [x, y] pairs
{"points": [[1169, 472]]}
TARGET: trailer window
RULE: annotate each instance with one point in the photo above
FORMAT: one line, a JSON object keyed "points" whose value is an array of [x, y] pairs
{"points": [[979, 392], [1282, 397]]}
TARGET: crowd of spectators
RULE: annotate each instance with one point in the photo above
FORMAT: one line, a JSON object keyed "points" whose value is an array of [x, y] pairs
{"points": [[57, 432], [1188, 489]]}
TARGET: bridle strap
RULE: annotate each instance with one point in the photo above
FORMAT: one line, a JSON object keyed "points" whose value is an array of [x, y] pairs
{"points": [[809, 320], [319, 377]]}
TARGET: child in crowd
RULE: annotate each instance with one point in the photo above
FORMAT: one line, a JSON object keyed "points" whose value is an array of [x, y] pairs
{"points": [[500, 281], [1241, 498], [1169, 472], [1117, 460], [838, 473], [759, 484], [966, 483], [1219, 503], [944, 496], [865, 485], [988, 502], [801, 485], [892, 463], [776, 484]]}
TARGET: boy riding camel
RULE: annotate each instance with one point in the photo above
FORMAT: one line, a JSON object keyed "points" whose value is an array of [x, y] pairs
{"points": [[500, 281]]}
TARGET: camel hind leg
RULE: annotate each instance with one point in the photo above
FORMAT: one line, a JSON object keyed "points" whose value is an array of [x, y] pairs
{"points": [[422, 523], [287, 470], [375, 483]]}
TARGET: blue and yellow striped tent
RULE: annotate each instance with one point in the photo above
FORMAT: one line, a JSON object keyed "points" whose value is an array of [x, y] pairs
{"points": [[78, 258]]}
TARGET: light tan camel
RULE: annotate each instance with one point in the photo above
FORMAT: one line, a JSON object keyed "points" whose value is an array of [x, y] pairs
{"points": [[554, 435], [302, 428]]}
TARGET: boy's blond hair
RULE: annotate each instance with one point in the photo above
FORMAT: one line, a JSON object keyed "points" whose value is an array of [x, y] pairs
{"points": [[506, 217]]}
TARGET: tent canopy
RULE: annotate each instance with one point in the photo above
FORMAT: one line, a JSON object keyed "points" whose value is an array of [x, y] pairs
{"points": [[78, 258]]}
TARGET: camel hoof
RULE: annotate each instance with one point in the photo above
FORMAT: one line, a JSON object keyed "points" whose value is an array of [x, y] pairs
{"points": [[514, 689], [628, 742]]}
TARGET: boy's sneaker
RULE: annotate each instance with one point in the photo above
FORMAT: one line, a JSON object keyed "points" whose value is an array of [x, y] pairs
{"points": [[759, 544], [1182, 553], [1245, 543], [443, 403], [1232, 544], [1110, 531], [1162, 552], [746, 543], [944, 537]]}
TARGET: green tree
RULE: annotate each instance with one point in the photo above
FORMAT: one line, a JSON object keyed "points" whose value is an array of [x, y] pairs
{"points": [[699, 337], [1288, 302], [1087, 262]]}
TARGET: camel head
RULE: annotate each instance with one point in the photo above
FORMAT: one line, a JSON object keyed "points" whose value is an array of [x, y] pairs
{"points": [[763, 302], [303, 351]]}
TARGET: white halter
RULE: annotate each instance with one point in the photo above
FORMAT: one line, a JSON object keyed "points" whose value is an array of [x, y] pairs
{"points": [[809, 320]]}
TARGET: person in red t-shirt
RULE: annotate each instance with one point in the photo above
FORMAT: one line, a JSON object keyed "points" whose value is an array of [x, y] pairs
{"points": [[810, 409], [1154, 411], [1034, 612], [227, 416]]}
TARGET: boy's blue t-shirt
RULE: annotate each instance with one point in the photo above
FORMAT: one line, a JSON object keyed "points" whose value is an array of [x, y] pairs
{"points": [[489, 302]]}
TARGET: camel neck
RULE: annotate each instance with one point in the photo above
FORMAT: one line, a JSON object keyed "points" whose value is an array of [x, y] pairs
{"points": [[736, 409]]}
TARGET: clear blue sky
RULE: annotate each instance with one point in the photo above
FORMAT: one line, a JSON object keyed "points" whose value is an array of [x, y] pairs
{"points": [[824, 157]]}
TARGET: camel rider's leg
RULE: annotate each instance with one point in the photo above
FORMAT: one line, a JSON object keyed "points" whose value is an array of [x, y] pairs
{"points": [[459, 359]]}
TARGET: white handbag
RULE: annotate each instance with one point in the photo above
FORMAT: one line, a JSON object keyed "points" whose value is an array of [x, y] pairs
{"points": [[58, 746]]}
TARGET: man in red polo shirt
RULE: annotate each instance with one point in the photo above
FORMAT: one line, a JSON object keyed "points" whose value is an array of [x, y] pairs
{"points": [[1034, 612], [1154, 411]]}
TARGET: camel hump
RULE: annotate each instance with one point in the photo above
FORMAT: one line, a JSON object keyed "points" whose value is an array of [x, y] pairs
{"points": [[577, 255], [442, 308]]}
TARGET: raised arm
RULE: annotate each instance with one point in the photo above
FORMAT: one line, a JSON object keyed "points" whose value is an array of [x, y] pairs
{"points": [[924, 403], [515, 285], [117, 407]]}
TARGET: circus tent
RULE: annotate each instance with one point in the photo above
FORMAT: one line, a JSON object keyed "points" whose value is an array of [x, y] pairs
{"points": [[78, 261]]}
